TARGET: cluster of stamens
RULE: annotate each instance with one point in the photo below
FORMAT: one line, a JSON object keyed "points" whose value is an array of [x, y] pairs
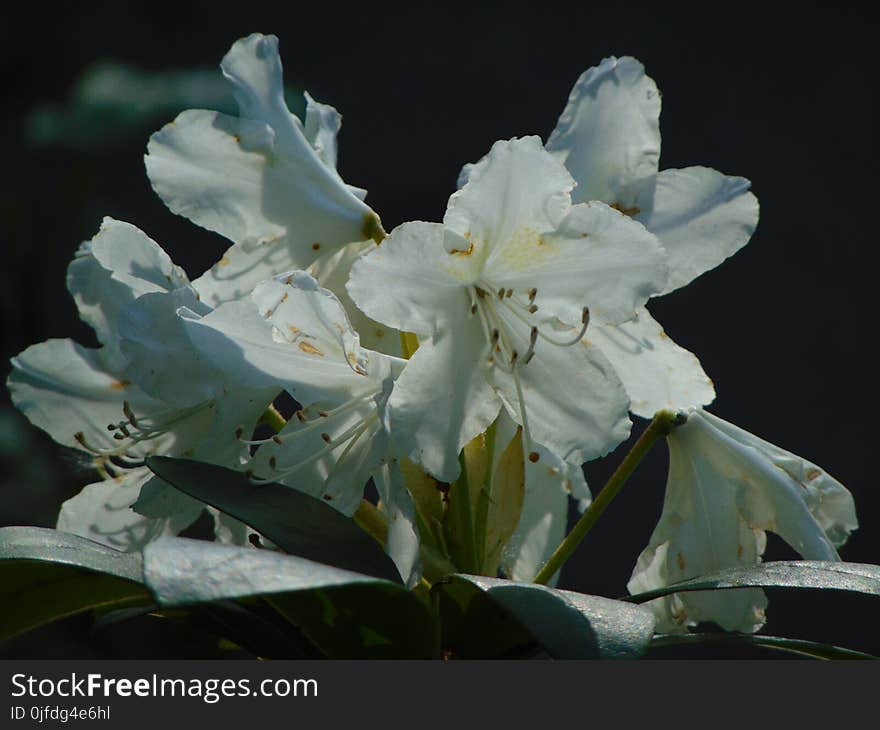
{"points": [[502, 352], [349, 438]]}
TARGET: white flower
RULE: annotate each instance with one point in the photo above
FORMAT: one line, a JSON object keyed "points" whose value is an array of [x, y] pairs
{"points": [[88, 399], [727, 487], [513, 272], [293, 334], [608, 137], [263, 180]]}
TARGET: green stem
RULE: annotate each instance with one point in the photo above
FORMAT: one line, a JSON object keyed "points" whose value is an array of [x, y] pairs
{"points": [[273, 419], [661, 425]]}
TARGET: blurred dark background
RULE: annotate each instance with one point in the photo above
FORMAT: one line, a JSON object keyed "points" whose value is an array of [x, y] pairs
{"points": [[786, 99]]}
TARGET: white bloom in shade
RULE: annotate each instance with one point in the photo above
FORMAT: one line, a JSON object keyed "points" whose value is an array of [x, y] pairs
{"points": [[549, 482], [294, 334], [82, 397], [726, 488], [497, 291], [263, 180]]}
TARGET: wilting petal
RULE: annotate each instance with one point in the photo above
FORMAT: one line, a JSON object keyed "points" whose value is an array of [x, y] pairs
{"points": [[656, 372]]}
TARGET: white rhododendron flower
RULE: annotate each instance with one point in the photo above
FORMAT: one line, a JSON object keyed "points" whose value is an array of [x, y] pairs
{"points": [[293, 334], [726, 488], [264, 180], [502, 292], [87, 399]]}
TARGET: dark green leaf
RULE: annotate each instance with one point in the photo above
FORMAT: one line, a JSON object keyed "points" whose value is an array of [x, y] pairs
{"points": [[345, 614], [815, 574], [48, 575], [298, 523], [486, 617], [776, 643]]}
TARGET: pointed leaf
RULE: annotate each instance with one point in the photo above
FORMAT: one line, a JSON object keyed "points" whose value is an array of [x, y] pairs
{"points": [[506, 502], [297, 522], [814, 574], [492, 617], [46, 575], [345, 614]]}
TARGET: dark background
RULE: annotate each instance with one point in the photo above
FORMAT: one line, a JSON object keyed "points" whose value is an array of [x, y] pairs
{"points": [[785, 98]]}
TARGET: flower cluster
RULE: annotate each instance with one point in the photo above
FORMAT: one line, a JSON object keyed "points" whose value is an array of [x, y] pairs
{"points": [[500, 348]]}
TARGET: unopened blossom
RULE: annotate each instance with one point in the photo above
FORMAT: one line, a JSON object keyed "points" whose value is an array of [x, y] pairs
{"points": [[501, 294], [265, 180], [727, 488]]}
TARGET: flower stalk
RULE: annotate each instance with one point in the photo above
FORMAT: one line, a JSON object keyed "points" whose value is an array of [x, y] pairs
{"points": [[660, 426]]}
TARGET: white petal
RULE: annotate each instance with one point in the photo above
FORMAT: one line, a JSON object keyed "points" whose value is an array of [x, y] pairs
{"points": [[515, 193], [542, 526], [609, 133], [282, 206], [403, 535], [102, 512], [66, 389], [109, 272], [443, 398], [321, 127], [597, 257], [332, 272], [788, 495], [656, 372], [293, 335], [411, 281], [575, 403], [701, 217], [701, 531]]}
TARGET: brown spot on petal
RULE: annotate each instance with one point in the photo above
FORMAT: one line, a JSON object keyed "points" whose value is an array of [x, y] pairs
{"points": [[739, 551], [534, 456], [681, 563], [466, 252], [309, 348], [813, 473], [120, 384], [224, 261], [328, 498], [626, 211], [316, 246]]}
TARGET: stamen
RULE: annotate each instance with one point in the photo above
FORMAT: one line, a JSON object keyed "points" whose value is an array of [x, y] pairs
{"points": [[533, 292]]}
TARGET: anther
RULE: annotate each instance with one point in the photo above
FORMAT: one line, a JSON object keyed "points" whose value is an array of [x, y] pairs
{"points": [[533, 292], [509, 293], [277, 439], [501, 293], [129, 414], [585, 317], [322, 414], [495, 335], [273, 462], [301, 416], [238, 432], [513, 357], [112, 426], [474, 308], [326, 437]]}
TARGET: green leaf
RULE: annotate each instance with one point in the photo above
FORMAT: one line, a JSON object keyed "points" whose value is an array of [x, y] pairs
{"points": [[345, 614], [815, 574], [489, 617], [759, 641], [506, 502], [298, 523], [46, 575]]}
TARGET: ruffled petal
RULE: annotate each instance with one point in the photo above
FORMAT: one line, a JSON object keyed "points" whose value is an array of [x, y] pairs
{"points": [[656, 372], [412, 281], [608, 135], [701, 217]]}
